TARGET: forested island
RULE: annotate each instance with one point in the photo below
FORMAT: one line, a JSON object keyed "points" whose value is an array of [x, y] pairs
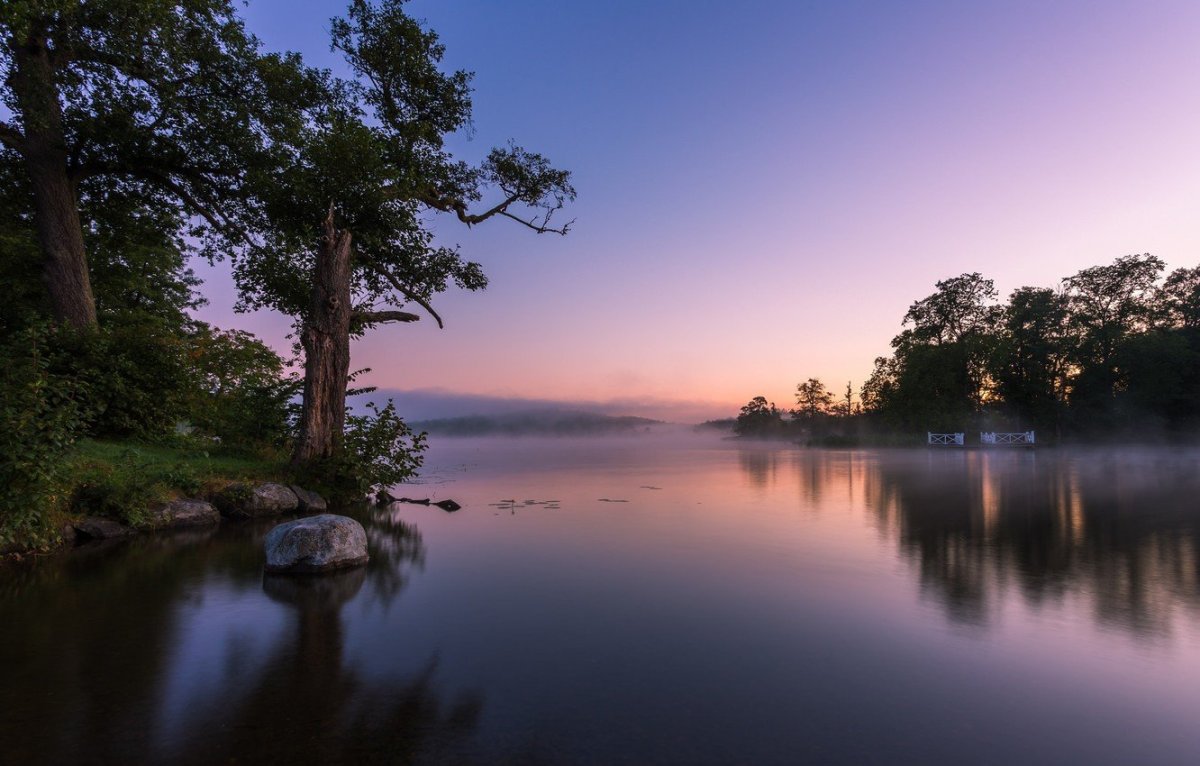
{"points": [[137, 135], [1111, 353]]}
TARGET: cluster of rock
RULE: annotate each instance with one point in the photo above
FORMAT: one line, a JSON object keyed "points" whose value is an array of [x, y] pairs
{"points": [[313, 544], [244, 501], [237, 501]]}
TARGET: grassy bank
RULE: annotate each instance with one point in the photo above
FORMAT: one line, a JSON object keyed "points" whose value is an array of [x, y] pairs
{"points": [[122, 480]]}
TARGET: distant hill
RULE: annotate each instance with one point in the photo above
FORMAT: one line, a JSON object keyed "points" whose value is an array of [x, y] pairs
{"points": [[538, 423], [724, 424]]}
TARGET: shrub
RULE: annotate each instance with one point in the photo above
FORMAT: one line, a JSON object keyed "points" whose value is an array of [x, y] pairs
{"points": [[241, 394], [134, 378], [378, 450], [40, 419]]}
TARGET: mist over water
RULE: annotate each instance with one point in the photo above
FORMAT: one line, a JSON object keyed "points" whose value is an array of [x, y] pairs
{"points": [[670, 597]]}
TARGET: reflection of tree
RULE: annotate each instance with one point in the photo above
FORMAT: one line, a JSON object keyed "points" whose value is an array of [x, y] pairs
{"points": [[817, 470], [759, 465], [85, 643], [307, 706], [86, 671], [1119, 533], [395, 547]]}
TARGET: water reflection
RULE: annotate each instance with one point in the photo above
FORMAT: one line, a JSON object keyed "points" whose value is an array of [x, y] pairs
{"points": [[766, 605], [1114, 532], [179, 649]]}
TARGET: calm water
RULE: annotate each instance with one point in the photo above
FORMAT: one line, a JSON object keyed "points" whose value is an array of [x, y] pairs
{"points": [[647, 601]]}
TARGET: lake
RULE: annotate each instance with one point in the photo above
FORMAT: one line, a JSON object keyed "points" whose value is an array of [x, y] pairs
{"points": [[661, 599]]}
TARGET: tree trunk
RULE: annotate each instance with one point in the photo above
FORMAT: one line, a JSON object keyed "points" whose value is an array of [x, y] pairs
{"points": [[56, 204], [326, 342]]}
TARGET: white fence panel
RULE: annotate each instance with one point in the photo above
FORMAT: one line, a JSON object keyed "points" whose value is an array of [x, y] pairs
{"points": [[1016, 438], [945, 440]]}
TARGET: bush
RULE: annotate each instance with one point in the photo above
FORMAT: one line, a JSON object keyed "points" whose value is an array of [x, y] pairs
{"points": [[134, 378], [378, 450], [241, 395], [40, 419], [121, 490]]}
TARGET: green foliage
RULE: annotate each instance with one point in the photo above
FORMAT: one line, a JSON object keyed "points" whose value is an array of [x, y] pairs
{"points": [[378, 451], [374, 148], [241, 394], [122, 480], [1179, 300], [1030, 360], [40, 419], [164, 99], [131, 378], [1112, 352]]}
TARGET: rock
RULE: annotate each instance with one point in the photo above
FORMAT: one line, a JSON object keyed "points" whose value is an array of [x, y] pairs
{"points": [[241, 501], [310, 502], [183, 513], [316, 544], [99, 528]]}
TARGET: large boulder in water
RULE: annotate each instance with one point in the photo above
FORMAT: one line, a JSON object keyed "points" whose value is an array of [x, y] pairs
{"points": [[183, 513], [316, 544], [242, 501]]}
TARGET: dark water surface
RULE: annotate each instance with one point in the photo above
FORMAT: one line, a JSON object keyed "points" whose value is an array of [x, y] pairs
{"points": [[638, 601]]}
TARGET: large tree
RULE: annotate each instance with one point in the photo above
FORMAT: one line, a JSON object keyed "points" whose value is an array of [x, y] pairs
{"points": [[346, 247], [938, 375], [162, 97], [812, 399], [1108, 304], [1031, 359]]}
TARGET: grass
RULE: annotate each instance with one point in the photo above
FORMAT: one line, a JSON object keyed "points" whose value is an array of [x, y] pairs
{"points": [[122, 480]]}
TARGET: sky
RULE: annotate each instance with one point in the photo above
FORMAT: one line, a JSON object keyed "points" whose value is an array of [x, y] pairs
{"points": [[765, 187]]}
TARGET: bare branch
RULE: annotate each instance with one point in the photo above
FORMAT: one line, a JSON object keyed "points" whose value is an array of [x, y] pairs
{"points": [[459, 208], [541, 228], [379, 317]]}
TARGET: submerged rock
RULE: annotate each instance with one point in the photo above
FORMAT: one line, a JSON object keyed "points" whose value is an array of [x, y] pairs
{"points": [[183, 513], [100, 528], [242, 501], [310, 502], [316, 544]]}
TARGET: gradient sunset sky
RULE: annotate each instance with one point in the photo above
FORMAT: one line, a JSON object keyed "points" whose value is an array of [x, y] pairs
{"points": [[764, 187]]}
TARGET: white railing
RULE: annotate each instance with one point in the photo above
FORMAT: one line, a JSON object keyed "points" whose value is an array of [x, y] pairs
{"points": [[947, 440], [1019, 438]]}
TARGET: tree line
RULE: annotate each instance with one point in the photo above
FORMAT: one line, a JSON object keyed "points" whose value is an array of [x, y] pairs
{"points": [[1112, 352], [136, 134]]}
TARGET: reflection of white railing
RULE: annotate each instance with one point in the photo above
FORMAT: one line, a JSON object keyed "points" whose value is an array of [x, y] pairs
{"points": [[1017, 438], [947, 440]]}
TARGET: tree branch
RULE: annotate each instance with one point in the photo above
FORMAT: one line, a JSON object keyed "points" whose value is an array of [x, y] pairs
{"points": [[11, 137], [541, 228], [400, 288], [379, 317], [459, 208], [198, 207]]}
